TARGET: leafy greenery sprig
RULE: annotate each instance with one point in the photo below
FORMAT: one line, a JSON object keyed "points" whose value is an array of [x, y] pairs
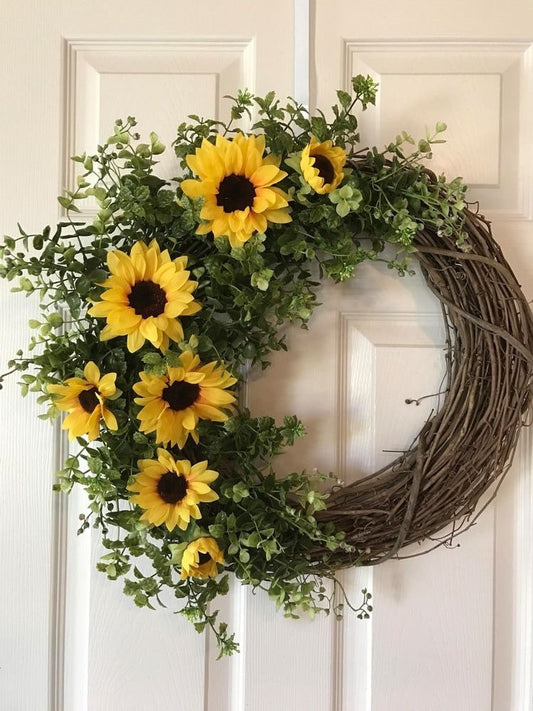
{"points": [[266, 525]]}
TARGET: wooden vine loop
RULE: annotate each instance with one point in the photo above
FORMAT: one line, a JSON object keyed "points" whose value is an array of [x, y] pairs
{"points": [[468, 445]]}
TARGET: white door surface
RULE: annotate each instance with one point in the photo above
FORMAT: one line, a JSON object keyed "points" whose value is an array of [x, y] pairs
{"points": [[450, 631]]}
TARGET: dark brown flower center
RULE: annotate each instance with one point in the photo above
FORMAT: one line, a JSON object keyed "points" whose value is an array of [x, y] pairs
{"points": [[203, 558], [181, 395], [325, 168], [147, 299], [172, 487], [88, 399], [235, 192]]}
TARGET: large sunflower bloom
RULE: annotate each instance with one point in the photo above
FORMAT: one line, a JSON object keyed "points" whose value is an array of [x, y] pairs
{"points": [[236, 183], [200, 559], [84, 400], [146, 292], [170, 490], [322, 165], [173, 403]]}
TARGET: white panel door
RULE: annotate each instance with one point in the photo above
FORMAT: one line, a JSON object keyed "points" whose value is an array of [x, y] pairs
{"points": [[451, 630], [69, 639]]}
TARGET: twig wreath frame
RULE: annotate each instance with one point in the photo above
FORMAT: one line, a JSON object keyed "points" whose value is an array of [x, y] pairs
{"points": [[195, 278], [469, 443]]}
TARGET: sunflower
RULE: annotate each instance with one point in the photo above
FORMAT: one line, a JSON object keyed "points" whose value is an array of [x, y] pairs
{"points": [[173, 403], [146, 292], [170, 490], [200, 559], [84, 400], [322, 164], [236, 183]]}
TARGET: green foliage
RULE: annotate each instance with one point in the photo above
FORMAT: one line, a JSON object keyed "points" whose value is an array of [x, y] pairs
{"points": [[266, 525]]}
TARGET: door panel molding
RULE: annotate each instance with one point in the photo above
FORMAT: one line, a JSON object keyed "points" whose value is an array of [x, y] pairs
{"points": [[137, 65], [484, 91]]}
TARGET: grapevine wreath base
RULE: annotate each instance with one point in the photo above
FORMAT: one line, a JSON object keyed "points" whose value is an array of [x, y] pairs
{"points": [[196, 278], [469, 443]]}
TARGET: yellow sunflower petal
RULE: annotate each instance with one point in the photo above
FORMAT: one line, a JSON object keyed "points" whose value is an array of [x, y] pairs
{"points": [[278, 216], [189, 420], [106, 386], [191, 309], [166, 459], [116, 295], [93, 424], [266, 175], [210, 211], [202, 488], [194, 377], [110, 419], [120, 264], [152, 260], [207, 412], [203, 228], [189, 361], [135, 341], [138, 260], [102, 308], [149, 330], [215, 396], [76, 424], [107, 333]]}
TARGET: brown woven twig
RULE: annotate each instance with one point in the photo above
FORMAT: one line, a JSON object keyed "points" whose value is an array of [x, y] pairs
{"points": [[468, 444]]}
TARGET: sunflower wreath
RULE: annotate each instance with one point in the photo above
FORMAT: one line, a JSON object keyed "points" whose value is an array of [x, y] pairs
{"points": [[152, 314]]}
